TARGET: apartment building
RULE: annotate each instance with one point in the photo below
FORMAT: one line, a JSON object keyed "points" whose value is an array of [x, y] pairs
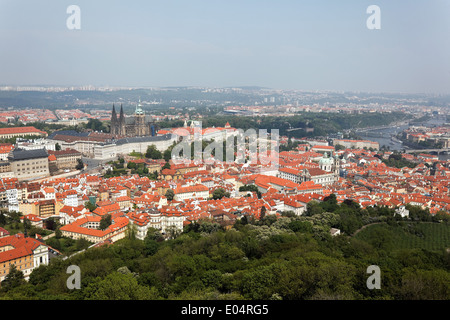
{"points": [[87, 228], [66, 159], [41, 208], [21, 132], [23, 252], [191, 192], [29, 164]]}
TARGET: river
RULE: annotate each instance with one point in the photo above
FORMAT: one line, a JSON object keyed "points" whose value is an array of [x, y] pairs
{"points": [[394, 130]]}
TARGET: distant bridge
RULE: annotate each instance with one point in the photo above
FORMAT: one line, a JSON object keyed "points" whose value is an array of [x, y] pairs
{"points": [[438, 151], [375, 134], [372, 128]]}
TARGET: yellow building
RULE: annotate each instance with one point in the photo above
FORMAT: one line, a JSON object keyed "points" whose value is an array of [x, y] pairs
{"points": [[41, 208], [23, 252], [87, 228]]}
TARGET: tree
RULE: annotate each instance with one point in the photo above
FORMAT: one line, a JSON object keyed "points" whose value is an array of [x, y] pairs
{"points": [[151, 246], [90, 206], [50, 224], [300, 226], [58, 233], [166, 165], [82, 244], [252, 188], [172, 232], [2, 219], [80, 164], [288, 214], [381, 240], [349, 222], [244, 220], [313, 207], [154, 234], [425, 285], [263, 213], [170, 194], [105, 222], [131, 231], [153, 153], [95, 125], [153, 175], [329, 203], [14, 217], [352, 204], [167, 155], [13, 279], [219, 193], [118, 286], [209, 227], [26, 224], [131, 165], [57, 146]]}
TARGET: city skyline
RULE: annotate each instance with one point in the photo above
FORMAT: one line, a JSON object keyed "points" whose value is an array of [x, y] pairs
{"points": [[280, 45]]}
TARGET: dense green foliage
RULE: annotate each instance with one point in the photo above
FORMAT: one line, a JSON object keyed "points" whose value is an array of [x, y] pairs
{"points": [[408, 235], [80, 164], [96, 125], [153, 153], [11, 221], [252, 188], [284, 258], [170, 194], [119, 168], [68, 246], [397, 161], [105, 222], [219, 193], [90, 206]]}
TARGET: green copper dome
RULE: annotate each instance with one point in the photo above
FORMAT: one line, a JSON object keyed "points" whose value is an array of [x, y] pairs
{"points": [[139, 108]]}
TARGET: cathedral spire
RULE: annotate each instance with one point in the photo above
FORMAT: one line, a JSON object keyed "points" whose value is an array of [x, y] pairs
{"points": [[121, 117], [113, 121], [122, 130], [113, 114]]}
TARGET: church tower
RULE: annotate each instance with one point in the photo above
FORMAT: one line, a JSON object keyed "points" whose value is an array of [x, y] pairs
{"points": [[139, 116], [114, 125], [121, 122], [337, 165]]}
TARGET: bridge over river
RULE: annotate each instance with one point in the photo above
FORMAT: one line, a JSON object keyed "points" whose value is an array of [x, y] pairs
{"points": [[438, 151]]}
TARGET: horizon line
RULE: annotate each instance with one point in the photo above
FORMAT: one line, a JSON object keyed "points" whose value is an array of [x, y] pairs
{"points": [[257, 87]]}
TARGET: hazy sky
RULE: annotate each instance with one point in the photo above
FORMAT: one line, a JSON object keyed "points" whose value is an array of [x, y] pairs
{"points": [[305, 45]]}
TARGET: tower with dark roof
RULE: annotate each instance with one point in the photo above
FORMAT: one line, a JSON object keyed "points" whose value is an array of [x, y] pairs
{"points": [[121, 122], [113, 121]]}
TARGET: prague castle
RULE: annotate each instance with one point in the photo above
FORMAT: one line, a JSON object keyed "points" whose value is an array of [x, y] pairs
{"points": [[138, 125]]}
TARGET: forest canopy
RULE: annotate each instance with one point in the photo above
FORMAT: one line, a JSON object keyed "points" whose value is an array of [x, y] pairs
{"points": [[289, 258]]}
